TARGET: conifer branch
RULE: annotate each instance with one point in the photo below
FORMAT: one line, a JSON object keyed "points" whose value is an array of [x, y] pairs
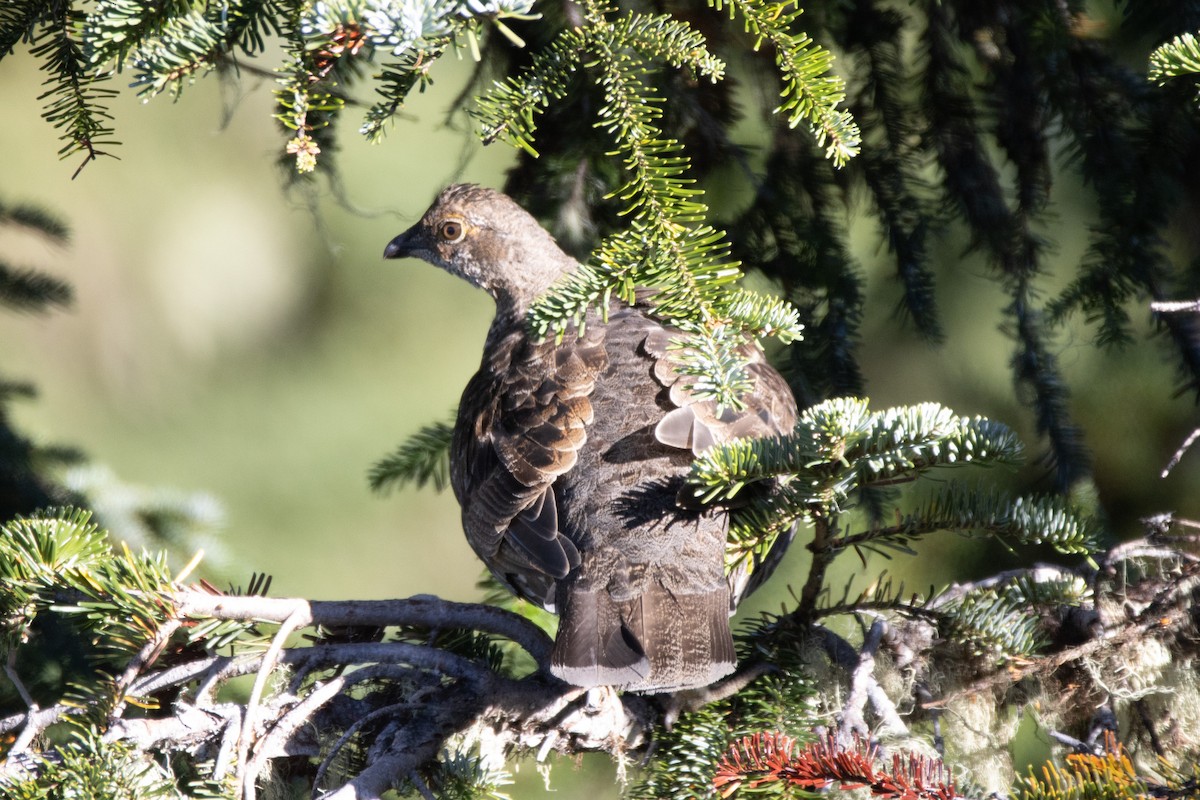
{"points": [[423, 458], [991, 624], [1037, 82], [1103, 774], [959, 507], [1021, 597], [115, 27], [839, 443], [29, 290], [186, 46], [771, 758], [1036, 366], [134, 612], [795, 234], [895, 161], [666, 245], [810, 92], [838, 449], [1180, 56], [18, 19], [508, 112], [75, 103], [395, 81], [35, 220]]}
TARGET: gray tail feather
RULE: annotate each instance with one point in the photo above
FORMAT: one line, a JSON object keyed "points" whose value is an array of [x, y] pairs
{"points": [[656, 642]]}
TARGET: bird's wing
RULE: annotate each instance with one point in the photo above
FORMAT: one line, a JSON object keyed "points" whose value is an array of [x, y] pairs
{"points": [[525, 416], [695, 424], [768, 409], [522, 421]]}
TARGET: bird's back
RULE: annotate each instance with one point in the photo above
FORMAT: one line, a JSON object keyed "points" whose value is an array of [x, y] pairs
{"points": [[569, 495], [649, 606]]}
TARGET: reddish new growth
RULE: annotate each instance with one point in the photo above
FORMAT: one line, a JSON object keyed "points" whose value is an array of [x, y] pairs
{"points": [[345, 39], [772, 757]]}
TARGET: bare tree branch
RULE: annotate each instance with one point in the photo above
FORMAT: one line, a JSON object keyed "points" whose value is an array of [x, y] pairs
{"points": [[426, 611]]}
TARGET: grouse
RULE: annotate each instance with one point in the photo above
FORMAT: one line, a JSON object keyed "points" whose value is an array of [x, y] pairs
{"points": [[568, 457]]}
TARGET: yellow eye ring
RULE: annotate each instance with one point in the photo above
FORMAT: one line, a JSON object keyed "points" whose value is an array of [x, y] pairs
{"points": [[451, 231]]}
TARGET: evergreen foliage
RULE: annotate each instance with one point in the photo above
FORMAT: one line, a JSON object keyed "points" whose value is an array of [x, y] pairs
{"points": [[44, 560], [422, 459], [29, 290], [74, 650], [1106, 773], [666, 244], [155, 666], [1180, 56], [764, 761], [75, 100], [87, 766]]}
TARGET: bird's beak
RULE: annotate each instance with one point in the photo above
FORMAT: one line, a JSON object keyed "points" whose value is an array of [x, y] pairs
{"points": [[403, 245]]}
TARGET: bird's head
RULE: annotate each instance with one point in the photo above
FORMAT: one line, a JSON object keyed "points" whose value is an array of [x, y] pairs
{"points": [[484, 237]]}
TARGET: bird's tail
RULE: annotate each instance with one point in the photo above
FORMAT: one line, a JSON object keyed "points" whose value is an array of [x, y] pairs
{"points": [[658, 641]]}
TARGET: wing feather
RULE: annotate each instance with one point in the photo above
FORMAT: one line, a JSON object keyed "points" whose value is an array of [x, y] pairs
{"points": [[522, 422]]}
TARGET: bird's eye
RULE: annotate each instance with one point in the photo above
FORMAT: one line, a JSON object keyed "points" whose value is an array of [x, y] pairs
{"points": [[451, 231]]}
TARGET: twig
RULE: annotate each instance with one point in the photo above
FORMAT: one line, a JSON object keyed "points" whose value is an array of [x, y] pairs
{"points": [[918, 610], [1183, 448], [1076, 745], [457, 707], [294, 718], [220, 670], [691, 700], [1140, 548], [430, 659], [10, 669], [174, 676], [548, 743], [31, 730], [426, 658], [41, 718], [228, 748], [1104, 724], [421, 786], [824, 550], [189, 724], [36, 721], [1171, 306], [1038, 573], [424, 611], [345, 737], [377, 778], [272, 76], [1153, 618], [145, 657], [863, 674], [245, 778]]}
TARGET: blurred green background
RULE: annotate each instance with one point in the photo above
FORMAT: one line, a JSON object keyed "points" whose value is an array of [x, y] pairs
{"points": [[232, 337]]}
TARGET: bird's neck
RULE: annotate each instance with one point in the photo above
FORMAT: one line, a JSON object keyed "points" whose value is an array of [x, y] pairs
{"points": [[510, 314], [522, 287]]}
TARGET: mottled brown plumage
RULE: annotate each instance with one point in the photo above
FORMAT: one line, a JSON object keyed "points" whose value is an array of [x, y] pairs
{"points": [[567, 459]]}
